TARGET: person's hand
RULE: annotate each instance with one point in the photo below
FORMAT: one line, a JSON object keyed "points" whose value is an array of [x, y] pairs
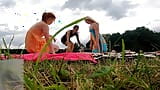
{"points": [[50, 36], [81, 45], [53, 38]]}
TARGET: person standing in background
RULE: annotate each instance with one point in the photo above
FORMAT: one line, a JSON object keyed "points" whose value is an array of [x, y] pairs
{"points": [[94, 34], [97, 42]]}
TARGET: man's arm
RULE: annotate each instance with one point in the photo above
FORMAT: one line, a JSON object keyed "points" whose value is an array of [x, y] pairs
{"points": [[67, 36]]}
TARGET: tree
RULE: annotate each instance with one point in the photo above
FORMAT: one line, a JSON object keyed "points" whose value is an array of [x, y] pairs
{"points": [[140, 38]]}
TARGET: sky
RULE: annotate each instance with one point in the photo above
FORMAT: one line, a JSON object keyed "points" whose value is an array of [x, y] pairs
{"points": [[17, 16]]}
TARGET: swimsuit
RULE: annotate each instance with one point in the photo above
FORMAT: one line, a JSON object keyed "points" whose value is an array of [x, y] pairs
{"points": [[103, 45], [64, 38], [93, 32]]}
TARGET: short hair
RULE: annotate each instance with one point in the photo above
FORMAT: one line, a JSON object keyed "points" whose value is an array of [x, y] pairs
{"points": [[75, 26], [47, 15]]}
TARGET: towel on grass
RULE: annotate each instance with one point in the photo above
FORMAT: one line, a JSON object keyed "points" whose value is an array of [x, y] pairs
{"points": [[68, 56]]}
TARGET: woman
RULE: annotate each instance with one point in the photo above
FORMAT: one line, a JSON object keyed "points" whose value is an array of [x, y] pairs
{"points": [[94, 34], [38, 35], [97, 42], [66, 38]]}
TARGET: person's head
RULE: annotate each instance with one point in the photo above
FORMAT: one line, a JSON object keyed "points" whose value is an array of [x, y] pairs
{"points": [[89, 20], [76, 27], [48, 17]]}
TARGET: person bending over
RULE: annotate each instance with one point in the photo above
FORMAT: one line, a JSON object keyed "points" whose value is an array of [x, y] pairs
{"points": [[94, 34], [97, 42], [66, 38]]}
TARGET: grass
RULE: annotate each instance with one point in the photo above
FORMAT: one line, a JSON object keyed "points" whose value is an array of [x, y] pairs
{"points": [[83, 75], [50, 40], [140, 73], [108, 74]]}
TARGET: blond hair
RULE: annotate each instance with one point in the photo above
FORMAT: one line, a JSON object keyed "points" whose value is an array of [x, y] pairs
{"points": [[90, 19]]}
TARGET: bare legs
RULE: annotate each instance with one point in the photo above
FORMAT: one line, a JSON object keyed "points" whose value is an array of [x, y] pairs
{"points": [[70, 47], [94, 45]]}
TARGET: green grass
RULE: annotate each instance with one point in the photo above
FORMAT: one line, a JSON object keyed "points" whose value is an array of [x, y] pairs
{"points": [[83, 75], [50, 40], [139, 74]]}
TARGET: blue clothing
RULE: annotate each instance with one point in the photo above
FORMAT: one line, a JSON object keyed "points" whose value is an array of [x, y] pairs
{"points": [[102, 42], [93, 32], [95, 51], [104, 48]]}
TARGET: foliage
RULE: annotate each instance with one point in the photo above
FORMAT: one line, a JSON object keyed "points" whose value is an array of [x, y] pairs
{"points": [[140, 73], [139, 39]]}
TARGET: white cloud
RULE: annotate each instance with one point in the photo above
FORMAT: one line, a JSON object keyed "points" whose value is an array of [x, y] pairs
{"points": [[7, 3], [113, 8], [112, 15]]}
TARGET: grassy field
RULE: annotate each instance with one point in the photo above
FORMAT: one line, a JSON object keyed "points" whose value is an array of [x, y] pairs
{"points": [[140, 74], [107, 74]]}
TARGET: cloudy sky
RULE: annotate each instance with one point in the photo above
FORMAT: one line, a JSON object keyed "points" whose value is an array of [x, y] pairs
{"points": [[17, 16]]}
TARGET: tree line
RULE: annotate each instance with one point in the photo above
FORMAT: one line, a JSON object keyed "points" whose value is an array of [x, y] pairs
{"points": [[138, 39]]}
